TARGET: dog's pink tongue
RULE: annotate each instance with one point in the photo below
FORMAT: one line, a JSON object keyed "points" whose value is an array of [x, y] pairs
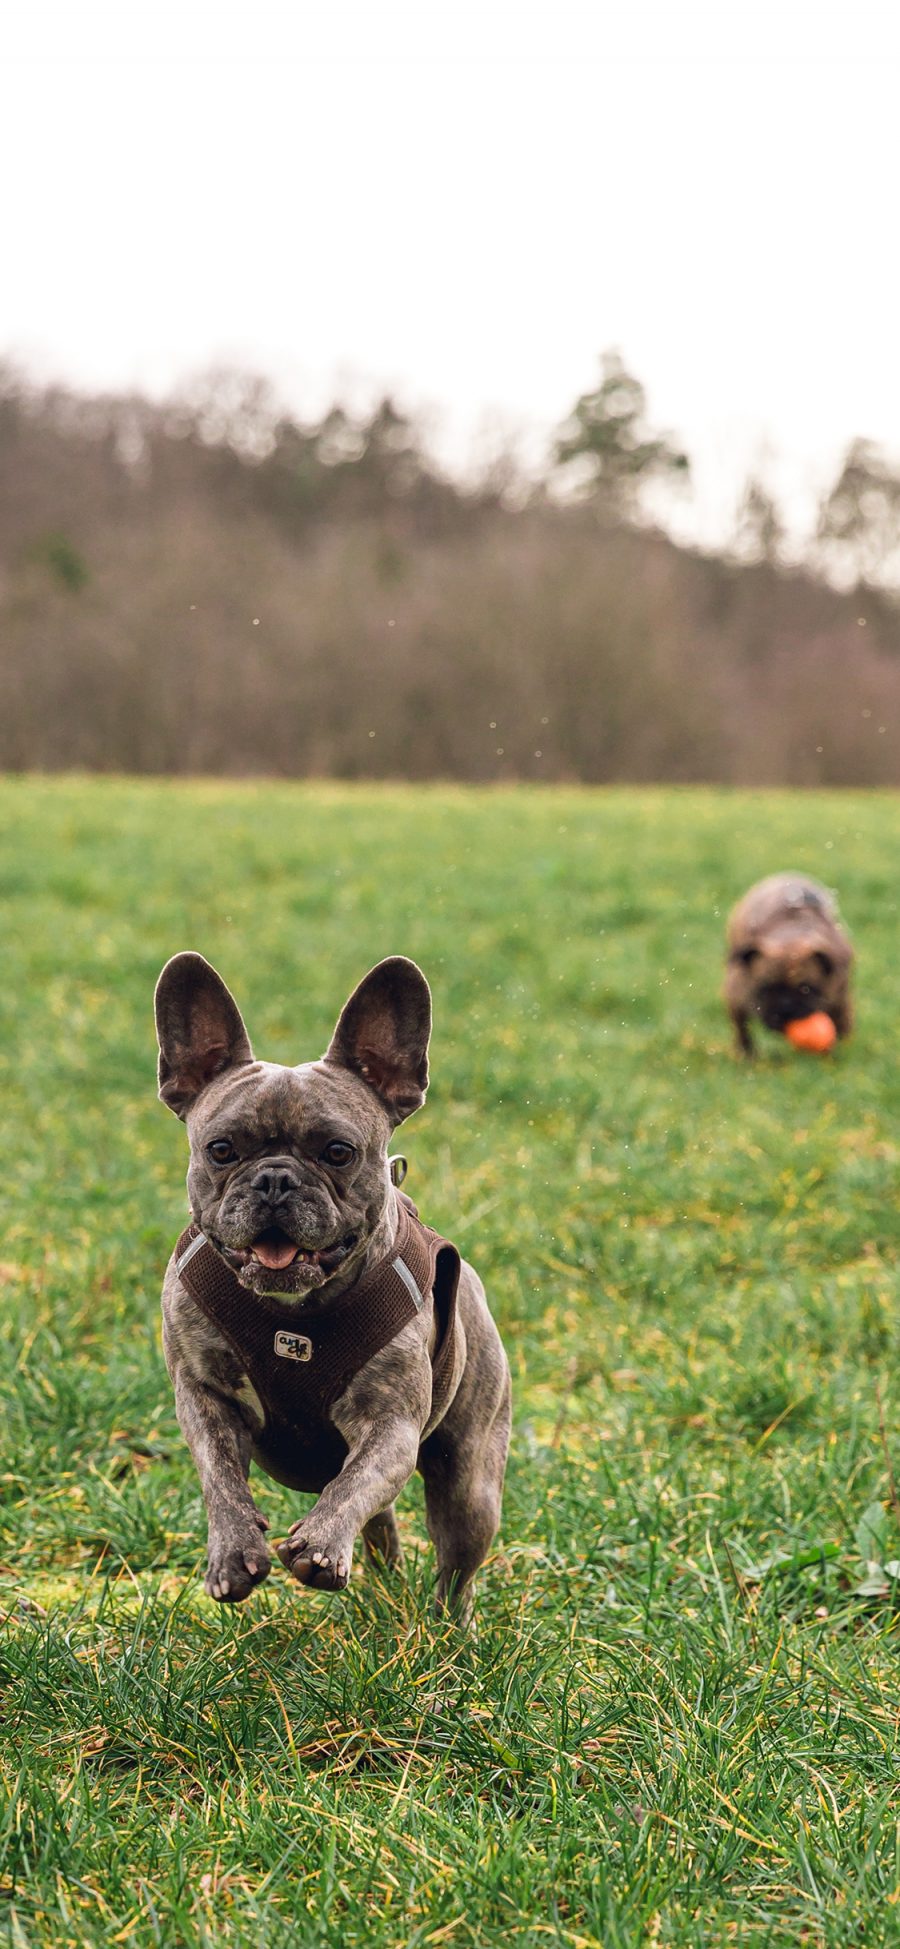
{"points": [[276, 1257]]}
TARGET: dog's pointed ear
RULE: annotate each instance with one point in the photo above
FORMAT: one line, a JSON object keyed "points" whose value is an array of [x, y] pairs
{"points": [[199, 1030], [382, 1035]]}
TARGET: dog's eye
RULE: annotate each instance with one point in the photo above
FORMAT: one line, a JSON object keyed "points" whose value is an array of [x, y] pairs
{"points": [[747, 954], [338, 1154], [221, 1151]]}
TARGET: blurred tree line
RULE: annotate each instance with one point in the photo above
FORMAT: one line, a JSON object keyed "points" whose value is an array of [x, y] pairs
{"points": [[211, 585]]}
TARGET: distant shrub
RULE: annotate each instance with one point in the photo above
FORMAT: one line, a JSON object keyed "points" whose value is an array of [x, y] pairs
{"points": [[65, 563]]}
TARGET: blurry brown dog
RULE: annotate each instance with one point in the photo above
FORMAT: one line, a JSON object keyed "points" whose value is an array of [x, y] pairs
{"points": [[788, 957]]}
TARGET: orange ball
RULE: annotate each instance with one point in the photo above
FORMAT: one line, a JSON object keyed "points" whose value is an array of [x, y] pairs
{"points": [[816, 1032]]}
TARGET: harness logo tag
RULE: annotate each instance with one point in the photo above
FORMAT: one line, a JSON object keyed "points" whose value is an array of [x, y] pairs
{"points": [[293, 1346]]}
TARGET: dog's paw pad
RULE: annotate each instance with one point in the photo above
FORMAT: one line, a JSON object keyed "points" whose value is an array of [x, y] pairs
{"points": [[314, 1567], [234, 1569]]}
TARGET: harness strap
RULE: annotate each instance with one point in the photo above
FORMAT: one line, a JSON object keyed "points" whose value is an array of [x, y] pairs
{"points": [[300, 1360]]}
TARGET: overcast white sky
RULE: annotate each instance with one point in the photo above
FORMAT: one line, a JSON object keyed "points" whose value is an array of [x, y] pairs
{"points": [[466, 203]]}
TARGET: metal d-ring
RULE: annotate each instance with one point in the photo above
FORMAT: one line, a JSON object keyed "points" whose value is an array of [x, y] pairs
{"points": [[398, 1168]]}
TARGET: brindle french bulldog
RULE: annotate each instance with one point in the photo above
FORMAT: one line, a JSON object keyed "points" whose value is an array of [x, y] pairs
{"points": [[291, 1184], [788, 957]]}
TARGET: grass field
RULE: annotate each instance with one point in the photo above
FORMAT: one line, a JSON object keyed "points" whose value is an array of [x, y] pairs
{"points": [[679, 1722]]}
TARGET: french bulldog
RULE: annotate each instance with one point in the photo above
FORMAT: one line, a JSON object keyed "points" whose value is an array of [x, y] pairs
{"points": [[291, 1191], [787, 957]]}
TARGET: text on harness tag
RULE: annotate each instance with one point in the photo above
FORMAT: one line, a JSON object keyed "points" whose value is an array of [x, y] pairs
{"points": [[293, 1346]]}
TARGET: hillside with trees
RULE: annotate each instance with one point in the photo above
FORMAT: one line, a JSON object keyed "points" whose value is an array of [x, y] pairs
{"points": [[210, 585]]}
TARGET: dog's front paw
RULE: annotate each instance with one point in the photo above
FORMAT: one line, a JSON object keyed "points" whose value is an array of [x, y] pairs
{"points": [[322, 1562], [237, 1561]]}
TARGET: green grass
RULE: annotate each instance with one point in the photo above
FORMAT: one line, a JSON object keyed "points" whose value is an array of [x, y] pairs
{"points": [[656, 1739]]}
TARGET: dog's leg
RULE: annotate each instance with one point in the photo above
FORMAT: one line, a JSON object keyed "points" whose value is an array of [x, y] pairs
{"points": [[319, 1548], [842, 1017], [463, 1491], [744, 1040], [220, 1444], [382, 1539]]}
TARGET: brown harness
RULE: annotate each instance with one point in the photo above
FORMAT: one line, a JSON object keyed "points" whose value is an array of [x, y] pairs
{"points": [[299, 1364]]}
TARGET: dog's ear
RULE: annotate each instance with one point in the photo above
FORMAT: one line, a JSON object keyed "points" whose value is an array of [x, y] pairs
{"points": [[382, 1035], [199, 1030]]}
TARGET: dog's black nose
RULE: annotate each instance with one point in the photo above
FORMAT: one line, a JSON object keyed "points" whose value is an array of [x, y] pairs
{"points": [[273, 1181]]}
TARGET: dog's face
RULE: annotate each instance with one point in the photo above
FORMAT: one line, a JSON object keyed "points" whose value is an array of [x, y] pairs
{"points": [[784, 984], [289, 1172]]}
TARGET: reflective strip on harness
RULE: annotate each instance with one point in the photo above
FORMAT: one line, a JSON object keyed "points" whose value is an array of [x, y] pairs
{"points": [[409, 1282], [190, 1252]]}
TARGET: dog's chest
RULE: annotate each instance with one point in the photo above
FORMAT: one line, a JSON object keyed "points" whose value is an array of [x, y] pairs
{"points": [[303, 1455], [291, 1368], [299, 1444]]}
